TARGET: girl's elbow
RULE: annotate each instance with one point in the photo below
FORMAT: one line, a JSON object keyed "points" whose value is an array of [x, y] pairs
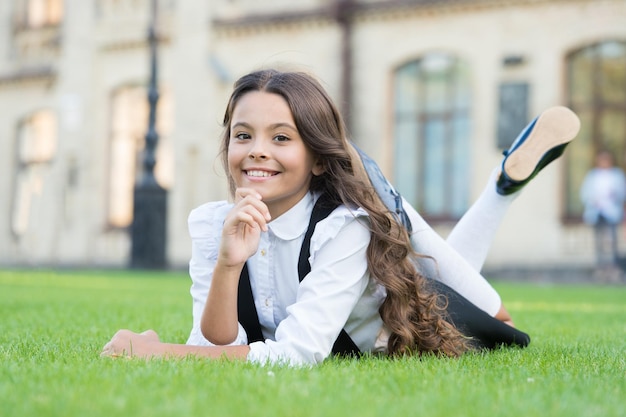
{"points": [[216, 337]]}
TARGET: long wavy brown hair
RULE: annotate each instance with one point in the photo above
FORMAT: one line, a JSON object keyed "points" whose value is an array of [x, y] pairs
{"points": [[413, 313]]}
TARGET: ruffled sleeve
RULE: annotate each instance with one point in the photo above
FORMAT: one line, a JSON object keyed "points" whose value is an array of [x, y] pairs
{"points": [[205, 229]]}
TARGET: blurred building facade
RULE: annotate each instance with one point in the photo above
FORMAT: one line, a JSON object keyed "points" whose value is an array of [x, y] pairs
{"points": [[433, 90]]}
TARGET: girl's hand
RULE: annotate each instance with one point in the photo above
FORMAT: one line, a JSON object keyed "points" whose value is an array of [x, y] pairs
{"points": [[242, 228], [126, 343]]}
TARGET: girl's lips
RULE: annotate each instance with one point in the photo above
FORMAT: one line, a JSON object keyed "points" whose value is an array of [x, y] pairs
{"points": [[258, 173]]}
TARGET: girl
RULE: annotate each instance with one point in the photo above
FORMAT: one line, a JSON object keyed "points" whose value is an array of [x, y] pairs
{"points": [[305, 206]]}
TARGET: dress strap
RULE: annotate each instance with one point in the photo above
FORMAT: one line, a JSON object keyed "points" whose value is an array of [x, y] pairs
{"points": [[246, 310]]}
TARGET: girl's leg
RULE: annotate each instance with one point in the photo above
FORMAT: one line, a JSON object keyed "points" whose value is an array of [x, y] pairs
{"points": [[540, 143], [459, 260], [443, 263], [474, 306], [469, 240], [484, 330], [473, 234]]}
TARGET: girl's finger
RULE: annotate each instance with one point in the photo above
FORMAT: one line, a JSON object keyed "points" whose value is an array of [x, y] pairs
{"points": [[248, 215], [241, 193], [252, 199]]}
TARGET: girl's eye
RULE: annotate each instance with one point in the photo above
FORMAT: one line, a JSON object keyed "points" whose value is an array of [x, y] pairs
{"points": [[281, 138], [242, 136]]}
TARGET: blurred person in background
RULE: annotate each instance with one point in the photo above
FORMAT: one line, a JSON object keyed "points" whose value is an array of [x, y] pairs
{"points": [[603, 194]]}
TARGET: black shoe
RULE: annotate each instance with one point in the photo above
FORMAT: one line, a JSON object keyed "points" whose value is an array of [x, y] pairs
{"points": [[540, 143]]}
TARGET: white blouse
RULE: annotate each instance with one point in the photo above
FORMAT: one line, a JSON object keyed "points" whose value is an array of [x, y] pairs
{"points": [[300, 320]]}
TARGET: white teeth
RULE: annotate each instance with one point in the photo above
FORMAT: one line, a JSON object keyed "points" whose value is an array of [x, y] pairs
{"points": [[259, 174]]}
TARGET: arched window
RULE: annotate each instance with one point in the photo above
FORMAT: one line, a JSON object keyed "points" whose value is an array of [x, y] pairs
{"points": [[36, 147], [596, 89], [431, 135], [129, 124]]}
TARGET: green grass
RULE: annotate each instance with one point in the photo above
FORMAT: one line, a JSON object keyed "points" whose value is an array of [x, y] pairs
{"points": [[53, 325]]}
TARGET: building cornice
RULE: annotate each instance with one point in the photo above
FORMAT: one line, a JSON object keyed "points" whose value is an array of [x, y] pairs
{"points": [[256, 23], [119, 45], [356, 11], [45, 76]]}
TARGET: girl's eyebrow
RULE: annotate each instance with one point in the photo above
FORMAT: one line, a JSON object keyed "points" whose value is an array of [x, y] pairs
{"points": [[284, 124], [241, 124], [271, 127]]}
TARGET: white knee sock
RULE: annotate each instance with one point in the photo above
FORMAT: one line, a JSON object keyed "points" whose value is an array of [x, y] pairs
{"points": [[457, 262], [473, 234]]}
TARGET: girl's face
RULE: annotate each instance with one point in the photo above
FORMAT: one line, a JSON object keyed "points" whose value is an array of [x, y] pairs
{"points": [[604, 160], [266, 152]]}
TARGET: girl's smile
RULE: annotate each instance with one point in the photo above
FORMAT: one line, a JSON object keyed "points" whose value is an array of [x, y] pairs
{"points": [[267, 153], [259, 173]]}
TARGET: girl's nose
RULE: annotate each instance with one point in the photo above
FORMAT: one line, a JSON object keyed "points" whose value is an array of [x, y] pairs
{"points": [[257, 156], [257, 151]]}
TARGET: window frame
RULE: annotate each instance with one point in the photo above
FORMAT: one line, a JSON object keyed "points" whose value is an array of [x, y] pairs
{"points": [[455, 112], [591, 110]]}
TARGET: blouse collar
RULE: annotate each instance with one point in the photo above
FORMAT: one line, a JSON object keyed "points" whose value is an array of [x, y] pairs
{"points": [[293, 223]]}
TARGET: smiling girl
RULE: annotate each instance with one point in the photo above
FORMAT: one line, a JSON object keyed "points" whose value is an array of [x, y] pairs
{"points": [[327, 266]]}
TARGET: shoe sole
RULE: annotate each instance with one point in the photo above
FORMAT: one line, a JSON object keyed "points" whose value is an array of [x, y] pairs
{"points": [[555, 126]]}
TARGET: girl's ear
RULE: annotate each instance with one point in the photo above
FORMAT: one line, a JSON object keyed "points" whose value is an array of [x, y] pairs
{"points": [[318, 168]]}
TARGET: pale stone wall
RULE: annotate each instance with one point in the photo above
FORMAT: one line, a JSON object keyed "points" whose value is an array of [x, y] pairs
{"points": [[543, 34], [103, 48]]}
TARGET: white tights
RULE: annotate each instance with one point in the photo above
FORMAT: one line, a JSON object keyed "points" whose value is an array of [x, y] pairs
{"points": [[458, 260]]}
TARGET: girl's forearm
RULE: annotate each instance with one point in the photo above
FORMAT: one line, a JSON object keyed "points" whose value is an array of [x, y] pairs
{"points": [[219, 319], [147, 345]]}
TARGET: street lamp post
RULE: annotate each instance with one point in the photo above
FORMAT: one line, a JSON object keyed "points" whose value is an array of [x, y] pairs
{"points": [[148, 230]]}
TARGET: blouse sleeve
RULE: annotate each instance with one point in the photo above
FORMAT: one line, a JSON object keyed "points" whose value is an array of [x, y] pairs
{"points": [[205, 228], [327, 295]]}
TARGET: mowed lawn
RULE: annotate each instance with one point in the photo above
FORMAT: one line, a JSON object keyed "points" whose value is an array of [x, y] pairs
{"points": [[53, 325]]}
